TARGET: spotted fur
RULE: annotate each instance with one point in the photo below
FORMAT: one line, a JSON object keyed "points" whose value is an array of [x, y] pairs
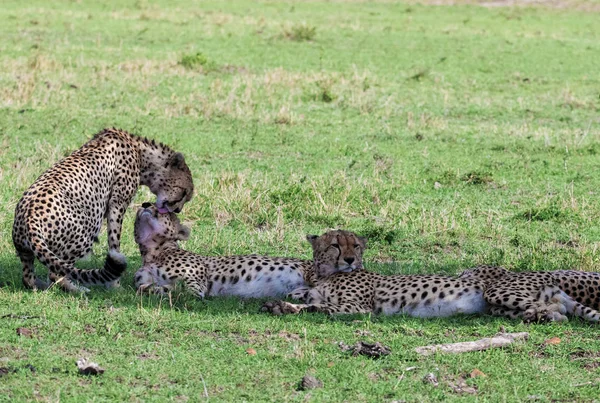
{"points": [[539, 296], [60, 215], [365, 292], [165, 263]]}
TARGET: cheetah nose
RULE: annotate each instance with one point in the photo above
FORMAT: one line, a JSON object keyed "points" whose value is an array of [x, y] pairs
{"points": [[146, 205], [349, 260], [177, 210]]}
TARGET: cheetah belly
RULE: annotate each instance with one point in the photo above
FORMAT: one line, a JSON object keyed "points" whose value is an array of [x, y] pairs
{"points": [[469, 303], [262, 284]]}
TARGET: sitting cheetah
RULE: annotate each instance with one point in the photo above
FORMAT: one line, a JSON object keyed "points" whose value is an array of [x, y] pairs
{"points": [[364, 292], [253, 276], [60, 215], [539, 296]]}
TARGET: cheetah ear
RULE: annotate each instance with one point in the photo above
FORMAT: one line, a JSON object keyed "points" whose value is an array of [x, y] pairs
{"points": [[177, 161], [183, 233], [312, 239], [363, 241]]}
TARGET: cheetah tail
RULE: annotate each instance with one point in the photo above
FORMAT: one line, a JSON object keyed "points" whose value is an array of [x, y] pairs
{"points": [[577, 309], [114, 266]]}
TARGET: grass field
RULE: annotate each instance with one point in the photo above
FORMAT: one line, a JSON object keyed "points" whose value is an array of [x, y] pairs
{"points": [[448, 135]]}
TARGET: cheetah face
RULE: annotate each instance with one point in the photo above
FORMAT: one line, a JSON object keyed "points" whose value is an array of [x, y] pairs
{"points": [[175, 186], [153, 227], [484, 273], [337, 251]]}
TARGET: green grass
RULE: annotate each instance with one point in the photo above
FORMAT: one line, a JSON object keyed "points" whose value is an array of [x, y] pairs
{"points": [[448, 135]]}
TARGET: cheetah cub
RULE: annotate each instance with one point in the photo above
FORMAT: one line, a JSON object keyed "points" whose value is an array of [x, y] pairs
{"points": [[422, 296], [539, 296], [251, 276]]}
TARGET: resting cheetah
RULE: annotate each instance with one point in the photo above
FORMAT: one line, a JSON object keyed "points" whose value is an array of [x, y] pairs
{"points": [[60, 215], [364, 292], [539, 296], [253, 276]]}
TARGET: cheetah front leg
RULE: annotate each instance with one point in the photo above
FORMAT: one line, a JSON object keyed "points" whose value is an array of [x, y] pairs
{"points": [[551, 316], [285, 308], [196, 282], [143, 279], [114, 222], [543, 305], [198, 288]]}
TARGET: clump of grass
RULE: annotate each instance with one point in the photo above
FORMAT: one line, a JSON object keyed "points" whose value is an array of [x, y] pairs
{"points": [[379, 233], [419, 75], [448, 177], [300, 32], [197, 61], [325, 93], [542, 214], [477, 178]]}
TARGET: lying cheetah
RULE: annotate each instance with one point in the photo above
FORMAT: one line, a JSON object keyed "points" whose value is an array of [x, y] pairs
{"points": [[364, 292], [253, 276], [60, 215], [539, 296]]}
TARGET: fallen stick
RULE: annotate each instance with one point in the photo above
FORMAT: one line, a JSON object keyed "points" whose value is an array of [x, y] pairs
{"points": [[499, 340]]}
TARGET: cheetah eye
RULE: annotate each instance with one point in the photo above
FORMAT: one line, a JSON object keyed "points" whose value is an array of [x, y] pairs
{"points": [[356, 245], [335, 245]]}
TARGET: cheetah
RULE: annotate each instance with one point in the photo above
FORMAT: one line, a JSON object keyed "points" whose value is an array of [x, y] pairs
{"points": [[539, 296], [251, 276], [60, 215], [362, 291]]}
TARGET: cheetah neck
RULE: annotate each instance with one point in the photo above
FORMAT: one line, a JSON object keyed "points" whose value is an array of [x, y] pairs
{"points": [[153, 250], [154, 158], [310, 275]]}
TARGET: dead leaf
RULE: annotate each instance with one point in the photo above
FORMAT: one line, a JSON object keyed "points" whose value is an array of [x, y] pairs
{"points": [[476, 373], [375, 350], [88, 368], [552, 341], [23, 331], [330, 364], [288, 336], [460, 386], [431, 378], [251, 351]]}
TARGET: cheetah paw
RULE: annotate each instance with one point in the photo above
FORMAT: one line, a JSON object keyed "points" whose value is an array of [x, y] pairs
{"points": [[280, 308], [300, 293]]}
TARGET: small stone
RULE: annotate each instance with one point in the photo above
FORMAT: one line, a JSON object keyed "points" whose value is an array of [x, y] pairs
{"points": [[431, 378], [552, 341], [23, 331], [310, 382]]}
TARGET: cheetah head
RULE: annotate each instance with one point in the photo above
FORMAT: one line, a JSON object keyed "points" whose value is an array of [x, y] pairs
{"points": [[337, 251], [173, 185], [152, 227], [484, 272]]}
